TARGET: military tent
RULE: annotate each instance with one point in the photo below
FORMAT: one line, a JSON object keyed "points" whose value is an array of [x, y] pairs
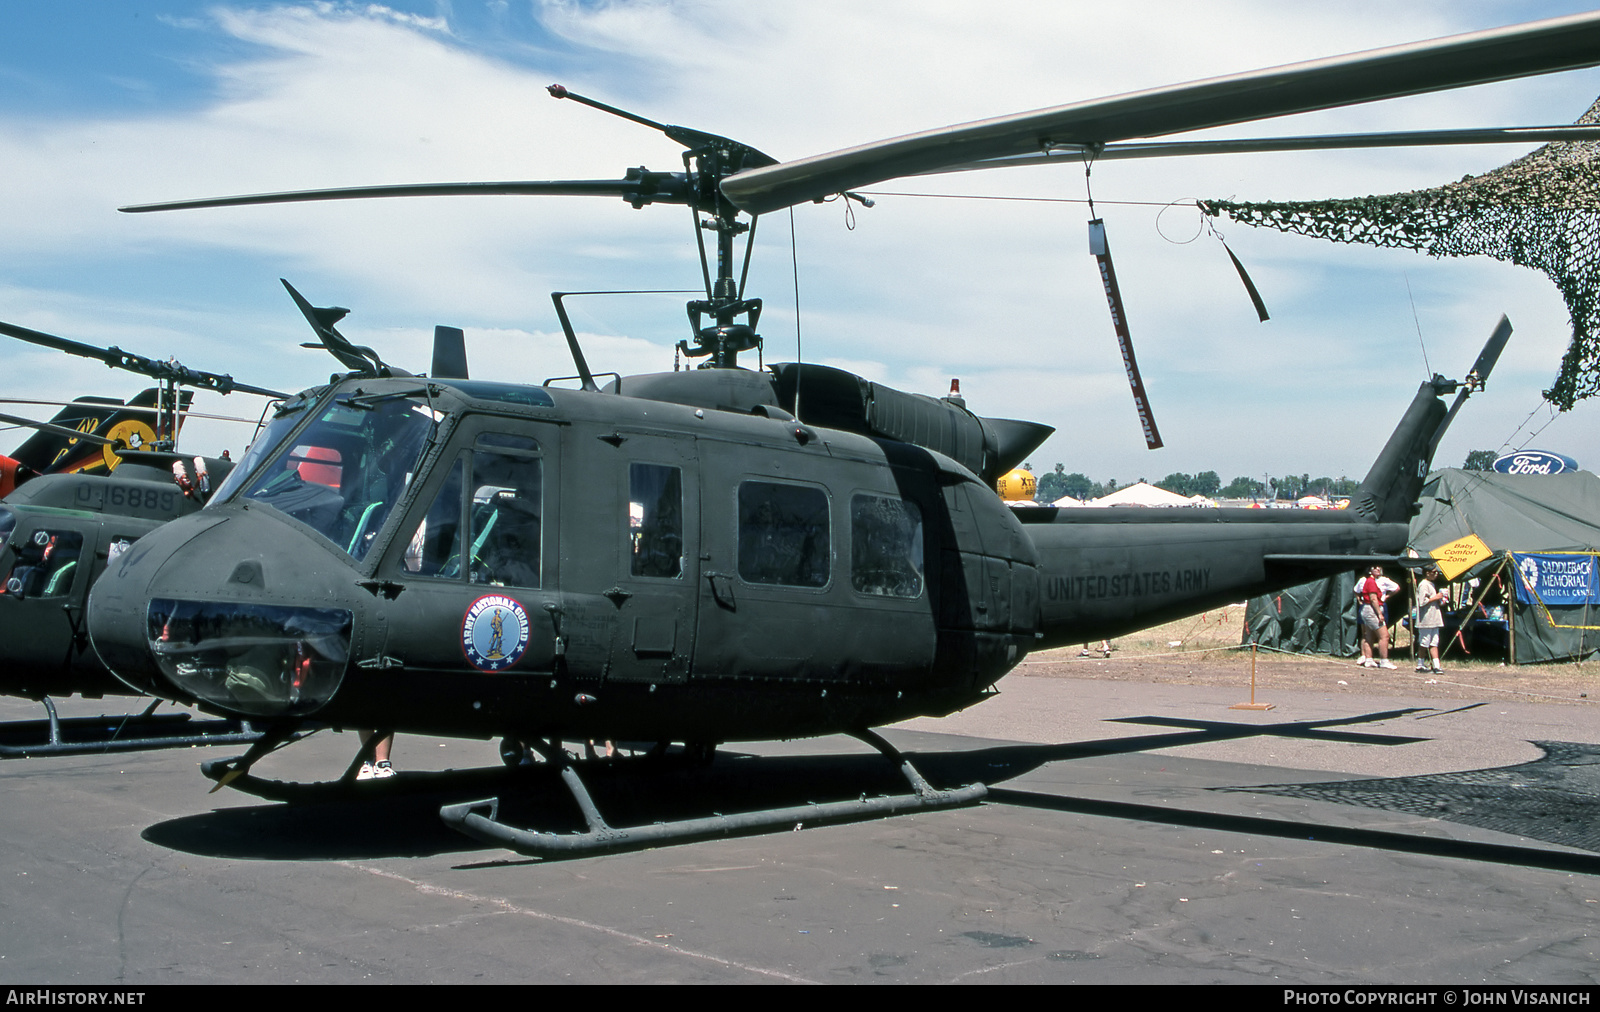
{"points": [[1543, 571]]}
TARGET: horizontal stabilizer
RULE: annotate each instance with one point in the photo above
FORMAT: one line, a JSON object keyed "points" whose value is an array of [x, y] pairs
{"points": [[1343, 563]]}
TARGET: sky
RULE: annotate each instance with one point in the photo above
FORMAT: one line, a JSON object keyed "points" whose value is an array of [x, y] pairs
{"points": [[110, 103]]}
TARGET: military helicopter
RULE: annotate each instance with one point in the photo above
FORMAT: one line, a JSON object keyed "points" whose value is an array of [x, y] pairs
{"points": [[715, 554], [106, 478], [58, 447]]}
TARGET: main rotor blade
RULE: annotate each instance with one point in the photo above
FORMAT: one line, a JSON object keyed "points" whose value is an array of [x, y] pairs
{"points": [[650, 187], [1316, 142], [119, 359], [133, 409], [1500, 54]]}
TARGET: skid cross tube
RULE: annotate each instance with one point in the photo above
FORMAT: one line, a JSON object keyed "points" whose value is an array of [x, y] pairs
{"points": [[479, 819]]}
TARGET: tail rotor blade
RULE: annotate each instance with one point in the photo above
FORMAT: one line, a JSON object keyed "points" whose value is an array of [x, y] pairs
{"points": [[1476, 378]]}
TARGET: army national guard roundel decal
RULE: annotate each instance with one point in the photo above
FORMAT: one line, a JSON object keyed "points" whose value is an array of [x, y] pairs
{"points": [[494, 632]]}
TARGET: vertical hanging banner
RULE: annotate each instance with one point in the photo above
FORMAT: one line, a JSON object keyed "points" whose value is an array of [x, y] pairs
{"points": [[1119, 323]]}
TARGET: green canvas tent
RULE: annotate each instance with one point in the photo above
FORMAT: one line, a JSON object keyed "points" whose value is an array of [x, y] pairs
{"points": [[1314, 618], [1543, 530]]}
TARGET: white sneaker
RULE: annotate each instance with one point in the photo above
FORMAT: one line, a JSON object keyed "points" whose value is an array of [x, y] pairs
{"points": [[1385, 664], [382, 771], [367, 772], [1365, 662]]}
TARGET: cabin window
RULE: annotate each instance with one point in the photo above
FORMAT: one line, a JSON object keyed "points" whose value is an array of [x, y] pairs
{"points": [[507, 491], [885, 546], [435, 547], [491, 535], [783, 534], [655, 520], [47, 563]]}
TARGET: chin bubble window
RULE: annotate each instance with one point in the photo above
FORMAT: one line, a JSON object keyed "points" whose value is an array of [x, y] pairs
{"points": [[253, 659]]}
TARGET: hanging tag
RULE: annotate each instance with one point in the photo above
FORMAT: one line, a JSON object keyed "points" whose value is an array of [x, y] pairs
{"points": [[1249, 286], [1097, 238], [1119, 323]]}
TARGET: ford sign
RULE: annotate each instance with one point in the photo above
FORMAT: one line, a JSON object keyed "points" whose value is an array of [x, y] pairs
{"points": [[1535, 462]]}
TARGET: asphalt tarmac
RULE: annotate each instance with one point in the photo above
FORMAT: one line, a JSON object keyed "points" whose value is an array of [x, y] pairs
{"points": [[1133, 834]]}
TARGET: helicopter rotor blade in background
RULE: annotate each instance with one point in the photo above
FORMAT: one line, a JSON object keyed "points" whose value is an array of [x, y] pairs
{"points": [[116, 358], [59, 430], [130, 409], [1499, 54]]}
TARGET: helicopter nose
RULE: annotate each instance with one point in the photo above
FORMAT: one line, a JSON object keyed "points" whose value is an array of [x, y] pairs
{"points": [[215, 609]]}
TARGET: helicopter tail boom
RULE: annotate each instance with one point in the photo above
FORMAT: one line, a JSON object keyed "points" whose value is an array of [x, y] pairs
{"points": [[1105, 572], [1108, 572]]}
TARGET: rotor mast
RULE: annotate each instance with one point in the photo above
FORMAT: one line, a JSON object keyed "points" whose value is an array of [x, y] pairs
{"points": [[707, 161]]}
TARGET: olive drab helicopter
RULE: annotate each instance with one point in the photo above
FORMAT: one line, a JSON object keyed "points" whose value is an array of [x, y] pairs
{"points": [[715, 554], [90, 484]]}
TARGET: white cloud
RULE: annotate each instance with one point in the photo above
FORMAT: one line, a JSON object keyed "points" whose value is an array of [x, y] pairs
{"points": [[1003, 295]]}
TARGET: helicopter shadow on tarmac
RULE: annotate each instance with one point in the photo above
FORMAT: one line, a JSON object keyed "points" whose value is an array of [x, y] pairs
{"points": [[399, 817]]}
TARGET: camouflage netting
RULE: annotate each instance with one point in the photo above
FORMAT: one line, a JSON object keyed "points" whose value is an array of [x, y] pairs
{"points": [[1540, 211]]}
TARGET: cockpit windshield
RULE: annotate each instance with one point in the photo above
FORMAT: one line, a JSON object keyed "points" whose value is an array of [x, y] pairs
{"points": [[265, 443], [344, 473]]}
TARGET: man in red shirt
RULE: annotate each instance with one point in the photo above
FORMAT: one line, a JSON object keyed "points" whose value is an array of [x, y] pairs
{"points": [[1372, 591]]}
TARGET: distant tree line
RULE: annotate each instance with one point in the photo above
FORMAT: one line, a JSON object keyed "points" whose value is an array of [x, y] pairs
{"points": [[1058, 483], [1479, 460]]}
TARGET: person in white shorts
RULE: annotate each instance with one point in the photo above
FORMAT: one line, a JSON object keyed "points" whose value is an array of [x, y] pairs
{"points": [[1430, 620]]}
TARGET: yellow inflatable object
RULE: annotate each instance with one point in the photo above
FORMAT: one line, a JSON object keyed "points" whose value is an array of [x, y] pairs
{"points": [[1017, 484]]}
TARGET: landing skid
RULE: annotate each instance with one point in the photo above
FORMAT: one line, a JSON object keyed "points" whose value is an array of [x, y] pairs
{"points": [[479, 819], [235, 771], [133, 732], [406, 784]]}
